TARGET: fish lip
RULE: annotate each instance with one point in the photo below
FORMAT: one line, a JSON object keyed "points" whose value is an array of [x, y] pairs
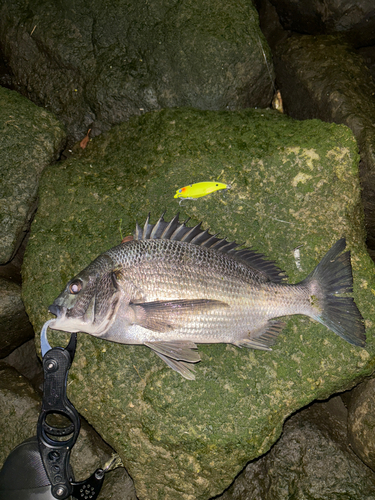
{"points": [[56, 310]]}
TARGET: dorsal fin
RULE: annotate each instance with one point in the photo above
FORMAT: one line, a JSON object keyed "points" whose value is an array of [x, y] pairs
{"points": [[174, 230]]}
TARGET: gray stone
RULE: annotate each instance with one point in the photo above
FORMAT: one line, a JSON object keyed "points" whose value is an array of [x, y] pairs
{"points": [[352, 20], [31, 138], [25, 360], [312, 460], [95, 64], [293, 183], [19, 410], [361, 422], [15, 327], [368, 56], [118, 486], [12, 270], [89, 453]]}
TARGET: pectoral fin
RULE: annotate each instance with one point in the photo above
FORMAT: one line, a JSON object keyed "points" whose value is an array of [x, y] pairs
{"points": [[164, 316]]}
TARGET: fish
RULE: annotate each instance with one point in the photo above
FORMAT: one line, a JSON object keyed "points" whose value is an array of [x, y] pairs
{"points": [[199, 189], [171, 287]]}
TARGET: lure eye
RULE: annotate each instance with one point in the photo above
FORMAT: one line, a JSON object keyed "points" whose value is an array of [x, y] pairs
{"points": [[75, 287]]}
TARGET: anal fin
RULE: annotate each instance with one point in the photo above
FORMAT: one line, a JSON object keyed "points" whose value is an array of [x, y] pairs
{"points": [[269, 335], [263, 338]]}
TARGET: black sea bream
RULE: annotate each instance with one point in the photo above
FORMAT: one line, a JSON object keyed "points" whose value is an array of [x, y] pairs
{"points": [[172, 287]]}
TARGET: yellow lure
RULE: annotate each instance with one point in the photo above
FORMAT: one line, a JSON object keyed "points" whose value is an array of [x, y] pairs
{"points": [[193, 191]]}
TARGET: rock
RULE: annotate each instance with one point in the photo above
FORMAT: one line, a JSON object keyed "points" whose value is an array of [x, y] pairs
{"points": [[95, 67], [293, 183], [350, 19], [31, 138], [25, 360], [368, 56], [15, 326], [314, 85], [12, 270], [89, 453], [5, 77], [330, 96], [118, 486], [19, 410], [361, 422], [311, 460]]}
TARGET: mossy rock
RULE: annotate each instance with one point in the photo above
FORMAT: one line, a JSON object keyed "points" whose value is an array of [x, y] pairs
{"points": [[292, 183], [97, 64], [31, 138]]}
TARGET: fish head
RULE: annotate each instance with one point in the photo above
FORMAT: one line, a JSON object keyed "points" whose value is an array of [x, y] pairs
{"points": [[89, 301]]}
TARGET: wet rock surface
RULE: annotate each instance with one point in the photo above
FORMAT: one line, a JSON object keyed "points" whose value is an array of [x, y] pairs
{"points": [[97, 64], [118, 486], [312, 460], [354, 21], [336, 89], [361, 422], [19, 409], [26, 361], [325, 77], [31, 138], [14, 322]]}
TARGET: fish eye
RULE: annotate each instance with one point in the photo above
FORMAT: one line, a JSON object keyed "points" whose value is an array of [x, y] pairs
{"points": [[75, 287]]}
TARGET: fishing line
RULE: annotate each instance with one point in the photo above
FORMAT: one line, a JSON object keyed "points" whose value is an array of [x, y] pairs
{"points": [[268, 66]]}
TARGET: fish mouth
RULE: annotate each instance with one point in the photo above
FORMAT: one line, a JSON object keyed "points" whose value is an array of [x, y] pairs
{"points": [[56, 310]]}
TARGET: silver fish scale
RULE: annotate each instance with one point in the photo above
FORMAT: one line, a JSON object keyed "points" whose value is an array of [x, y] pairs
{"points": [[171, 270], [162, 263]]}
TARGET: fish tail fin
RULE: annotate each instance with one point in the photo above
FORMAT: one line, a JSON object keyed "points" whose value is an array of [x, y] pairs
{"points": [[329, 283]]}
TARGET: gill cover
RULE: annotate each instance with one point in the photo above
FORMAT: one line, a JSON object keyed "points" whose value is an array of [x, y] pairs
{"points": [[90, 300]]}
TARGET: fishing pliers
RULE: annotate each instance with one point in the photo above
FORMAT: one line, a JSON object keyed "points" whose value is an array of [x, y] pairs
{"points": [[55, 441]]}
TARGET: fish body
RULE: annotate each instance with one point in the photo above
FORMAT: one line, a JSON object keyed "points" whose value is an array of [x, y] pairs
{"points": [[172, 287], [199, 189]]}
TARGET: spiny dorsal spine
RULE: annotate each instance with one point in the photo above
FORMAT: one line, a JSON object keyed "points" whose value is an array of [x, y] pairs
{"points": [[174, 230]]}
